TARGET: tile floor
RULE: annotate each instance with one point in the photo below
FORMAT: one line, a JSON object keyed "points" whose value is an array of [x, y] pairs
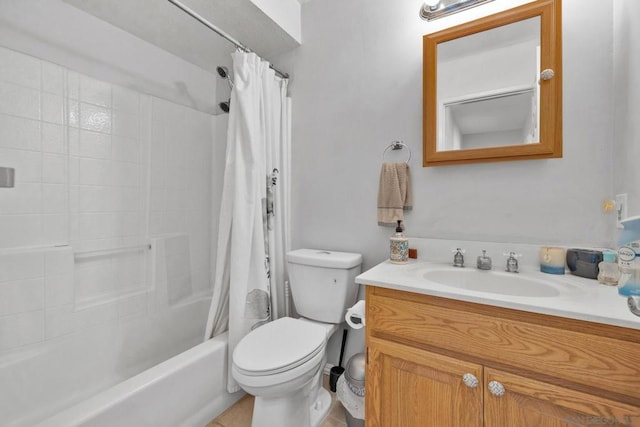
{"points": [[239, 415]]}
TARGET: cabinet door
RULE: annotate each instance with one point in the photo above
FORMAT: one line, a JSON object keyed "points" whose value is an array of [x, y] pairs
{"points": [[529, 403], [409, 387]]}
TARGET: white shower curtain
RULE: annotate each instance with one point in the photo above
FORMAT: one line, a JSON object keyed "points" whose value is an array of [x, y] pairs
{"points": [[253, 228]]}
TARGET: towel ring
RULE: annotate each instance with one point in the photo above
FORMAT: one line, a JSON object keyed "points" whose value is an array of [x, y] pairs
{"points": [[397, 145]]}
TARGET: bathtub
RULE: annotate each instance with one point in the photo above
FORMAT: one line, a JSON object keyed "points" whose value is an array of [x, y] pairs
{"points": [[186, 390], [146, 369]]}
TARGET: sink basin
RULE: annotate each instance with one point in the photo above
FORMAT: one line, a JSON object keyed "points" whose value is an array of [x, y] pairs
{"points": [[496, 282]]}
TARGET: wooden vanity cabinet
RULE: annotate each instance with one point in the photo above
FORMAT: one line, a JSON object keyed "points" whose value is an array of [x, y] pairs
{"points": [[408, 386], [439, 362]]}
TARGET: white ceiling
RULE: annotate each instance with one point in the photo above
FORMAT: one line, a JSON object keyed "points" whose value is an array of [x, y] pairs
{"points": [[164, 25]]}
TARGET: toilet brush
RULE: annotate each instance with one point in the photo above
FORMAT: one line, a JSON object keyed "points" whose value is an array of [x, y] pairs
{"points": [[336, 371]]}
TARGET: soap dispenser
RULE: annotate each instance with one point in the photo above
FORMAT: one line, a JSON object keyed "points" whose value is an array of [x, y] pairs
{"points": [[399, 246]]}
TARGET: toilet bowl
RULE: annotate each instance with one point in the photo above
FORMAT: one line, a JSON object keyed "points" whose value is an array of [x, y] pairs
{"points": [[281, 363]]}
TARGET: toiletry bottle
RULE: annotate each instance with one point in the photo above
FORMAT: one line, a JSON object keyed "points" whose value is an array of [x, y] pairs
{"points": [[629, 258], [608, 269], [399, 246]]}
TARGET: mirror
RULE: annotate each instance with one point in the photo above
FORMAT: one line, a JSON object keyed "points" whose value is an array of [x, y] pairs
{"points": [[493, 88]]}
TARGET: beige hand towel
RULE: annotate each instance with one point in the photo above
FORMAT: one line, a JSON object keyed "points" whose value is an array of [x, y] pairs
{"points": [[394, 193]]}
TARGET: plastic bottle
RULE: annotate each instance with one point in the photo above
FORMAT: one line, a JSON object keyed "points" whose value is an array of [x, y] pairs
{"points": [[629, 258], [399, 246], [608, 269]]}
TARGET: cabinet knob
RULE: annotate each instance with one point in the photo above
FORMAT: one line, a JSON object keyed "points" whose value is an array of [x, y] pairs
{"points": [[496, 388], [547, 74], [470, 380]]}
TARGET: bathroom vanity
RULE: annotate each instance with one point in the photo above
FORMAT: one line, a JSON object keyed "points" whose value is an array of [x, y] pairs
{"points": [[440, 355]]}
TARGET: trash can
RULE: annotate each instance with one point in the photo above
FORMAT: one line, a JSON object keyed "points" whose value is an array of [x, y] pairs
{"points": [[350, 390]]}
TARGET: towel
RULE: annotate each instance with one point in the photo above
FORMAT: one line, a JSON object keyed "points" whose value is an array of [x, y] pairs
{"points": [[394, 193]]}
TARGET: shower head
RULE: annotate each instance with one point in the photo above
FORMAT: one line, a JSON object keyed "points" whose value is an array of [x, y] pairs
{"points": [[223, 72]]}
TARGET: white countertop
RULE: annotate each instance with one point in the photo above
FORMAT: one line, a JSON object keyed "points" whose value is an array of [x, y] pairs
{"points": [[584, 299]]}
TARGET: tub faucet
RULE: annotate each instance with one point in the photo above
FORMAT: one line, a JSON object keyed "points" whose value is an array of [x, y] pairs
{"points": [[458, 258], [512, 262], [484, 262]]}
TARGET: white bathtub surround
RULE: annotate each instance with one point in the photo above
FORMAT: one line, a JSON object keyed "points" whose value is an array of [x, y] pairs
{"points": [[98, 167], [36, 293], [253, 227], [186, 390], [178, 268], [172, 273], [87, 351]]}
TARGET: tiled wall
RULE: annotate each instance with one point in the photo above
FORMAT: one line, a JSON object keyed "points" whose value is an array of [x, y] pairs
{"points": [[181, 181], [36, 294], [98, 167], [32, 141]]}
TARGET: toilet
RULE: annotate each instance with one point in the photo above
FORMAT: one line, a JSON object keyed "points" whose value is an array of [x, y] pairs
{"points": [[281, 363]]}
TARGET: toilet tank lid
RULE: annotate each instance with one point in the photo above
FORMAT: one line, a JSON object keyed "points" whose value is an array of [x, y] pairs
{"points": [[322, 258]]}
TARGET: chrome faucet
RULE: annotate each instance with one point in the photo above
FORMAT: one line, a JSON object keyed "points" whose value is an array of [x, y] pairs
{"points": [[484, 262], [458, 258], [512, 262]]}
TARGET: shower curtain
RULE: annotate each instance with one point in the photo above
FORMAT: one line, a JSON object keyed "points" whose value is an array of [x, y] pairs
{"points": [[253, 230]]}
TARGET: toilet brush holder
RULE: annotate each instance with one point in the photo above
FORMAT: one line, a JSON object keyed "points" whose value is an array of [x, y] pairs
{"points": [[334, 374], [336, 371]]}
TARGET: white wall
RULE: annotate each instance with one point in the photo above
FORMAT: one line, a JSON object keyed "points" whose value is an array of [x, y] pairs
{"points": [[627, 101], [358, 85], [355, 91]]}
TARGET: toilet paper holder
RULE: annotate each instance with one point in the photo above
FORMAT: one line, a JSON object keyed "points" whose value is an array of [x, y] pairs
{"points": [[355, 316]]}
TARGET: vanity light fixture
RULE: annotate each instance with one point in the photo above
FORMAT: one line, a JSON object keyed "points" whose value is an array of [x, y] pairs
{"points": [[434, 9]]}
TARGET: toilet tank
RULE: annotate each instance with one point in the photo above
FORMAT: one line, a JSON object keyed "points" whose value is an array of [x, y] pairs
{"points": [[322, 283]]}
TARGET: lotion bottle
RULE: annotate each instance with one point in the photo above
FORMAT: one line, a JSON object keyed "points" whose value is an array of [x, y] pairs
{"points": [[399, 246]]}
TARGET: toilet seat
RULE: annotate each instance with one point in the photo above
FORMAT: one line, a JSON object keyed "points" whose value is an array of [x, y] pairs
{"points": [[280, 346]]}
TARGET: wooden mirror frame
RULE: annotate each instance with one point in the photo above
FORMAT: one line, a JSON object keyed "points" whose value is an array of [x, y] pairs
{"points": [[550, 144]]}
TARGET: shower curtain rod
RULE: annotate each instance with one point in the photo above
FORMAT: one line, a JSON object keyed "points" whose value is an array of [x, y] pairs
{"points": [[221, 33]]}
